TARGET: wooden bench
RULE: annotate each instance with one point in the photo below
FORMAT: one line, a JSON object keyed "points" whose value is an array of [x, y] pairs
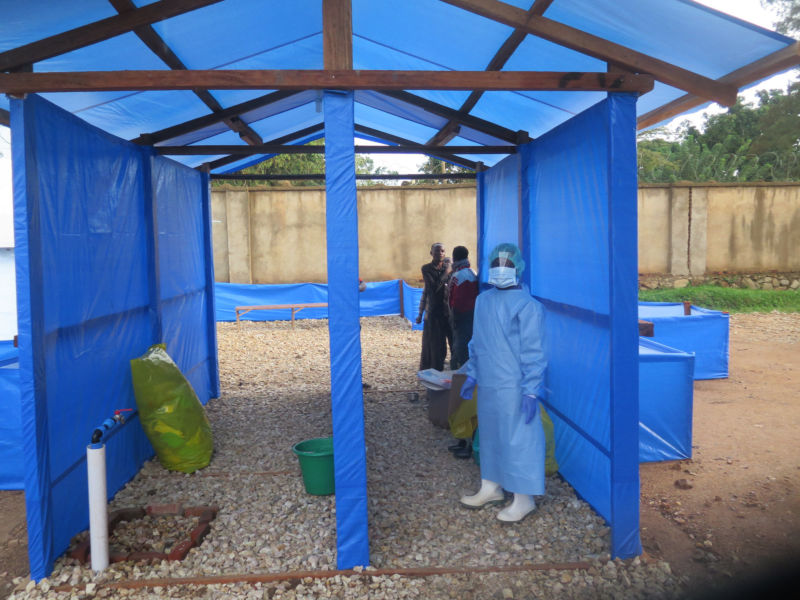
{"points": [[243, 310]]}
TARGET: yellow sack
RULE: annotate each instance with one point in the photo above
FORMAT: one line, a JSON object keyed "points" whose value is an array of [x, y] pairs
{"points": [[464, 421], [465, 418], [171, 415], [550, 462]]}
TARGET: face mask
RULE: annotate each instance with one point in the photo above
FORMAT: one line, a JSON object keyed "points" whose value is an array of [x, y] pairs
{"points": [[503, 277]]}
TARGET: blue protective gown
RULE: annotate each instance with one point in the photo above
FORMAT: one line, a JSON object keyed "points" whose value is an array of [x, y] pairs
{"points": [[507, 361]]}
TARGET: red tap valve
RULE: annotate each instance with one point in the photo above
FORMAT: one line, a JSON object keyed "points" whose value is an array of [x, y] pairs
{"points": [[119, 415]]}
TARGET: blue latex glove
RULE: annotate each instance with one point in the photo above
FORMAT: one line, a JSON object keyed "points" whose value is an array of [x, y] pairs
{"points": [[468, 388], [530, 406]]}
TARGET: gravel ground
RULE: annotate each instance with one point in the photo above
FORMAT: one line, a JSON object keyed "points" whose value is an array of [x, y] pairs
{"points": [[275, 392], [768, 327]]}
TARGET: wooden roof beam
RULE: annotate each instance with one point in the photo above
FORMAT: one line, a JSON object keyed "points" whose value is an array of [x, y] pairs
{"points": [[487, 127], [97, 32], [394, 139], [450, 130], [337, 34], [321, 176], [231, 112], [159, 47], [226, 160], [600, 48], [783, 59], [212, 149], [219, 79]]}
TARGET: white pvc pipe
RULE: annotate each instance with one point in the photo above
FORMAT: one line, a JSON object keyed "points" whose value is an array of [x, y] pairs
{"points": [[98, 517]]}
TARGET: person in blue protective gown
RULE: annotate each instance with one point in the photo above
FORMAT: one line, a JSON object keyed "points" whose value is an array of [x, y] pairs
{"points": [[508, 365]]}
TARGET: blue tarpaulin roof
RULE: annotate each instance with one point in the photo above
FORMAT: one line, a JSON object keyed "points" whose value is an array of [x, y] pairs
{"points": [[409, 35]]}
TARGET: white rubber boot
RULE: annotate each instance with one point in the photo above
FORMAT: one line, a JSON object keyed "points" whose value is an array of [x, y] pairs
{"points": [[490, 492], [521, 507]]}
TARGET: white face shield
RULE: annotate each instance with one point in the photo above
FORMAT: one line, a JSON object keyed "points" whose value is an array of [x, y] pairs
{"points": [[502, 271]]}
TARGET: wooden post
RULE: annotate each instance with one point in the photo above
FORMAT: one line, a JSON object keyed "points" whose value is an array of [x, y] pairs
{"points": [[687, 308], [402, 303], [337, 34]]}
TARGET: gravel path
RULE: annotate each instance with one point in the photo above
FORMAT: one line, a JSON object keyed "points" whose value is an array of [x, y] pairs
{"points": [[275, 383], [767, 327]]}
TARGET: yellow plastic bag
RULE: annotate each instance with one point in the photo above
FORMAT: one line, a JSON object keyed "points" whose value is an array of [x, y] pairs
{"points": [[550, 462], [464, 421], [465, 418], [171, 415]]}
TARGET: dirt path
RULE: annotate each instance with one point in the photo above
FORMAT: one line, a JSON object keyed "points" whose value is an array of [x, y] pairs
{"points": [[13, 540], [740, 518]]}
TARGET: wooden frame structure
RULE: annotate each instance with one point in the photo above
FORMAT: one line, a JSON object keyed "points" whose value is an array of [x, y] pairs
{"points": [[629, 71]]}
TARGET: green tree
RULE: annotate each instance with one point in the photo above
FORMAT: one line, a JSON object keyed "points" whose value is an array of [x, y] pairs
{"points": [[299, 164], [366, 166], [283, 164], [435, 166], [779, 123], [746, 143], [788, 15]]}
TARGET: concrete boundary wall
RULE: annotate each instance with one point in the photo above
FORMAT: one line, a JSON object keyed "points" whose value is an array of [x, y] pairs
{"points": [[694, 230], [277, 235]]}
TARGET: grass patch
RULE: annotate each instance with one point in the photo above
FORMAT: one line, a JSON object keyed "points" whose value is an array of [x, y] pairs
{"points": [[728, 299]]}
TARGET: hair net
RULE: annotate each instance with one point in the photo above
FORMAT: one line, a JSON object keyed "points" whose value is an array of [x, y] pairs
{"points": [[507, 255]]}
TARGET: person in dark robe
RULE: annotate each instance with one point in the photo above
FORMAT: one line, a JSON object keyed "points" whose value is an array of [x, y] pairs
{"points": [[436, 329]]}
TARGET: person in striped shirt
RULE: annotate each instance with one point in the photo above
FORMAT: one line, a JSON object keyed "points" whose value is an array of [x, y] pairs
{"points": [[462, 291]]}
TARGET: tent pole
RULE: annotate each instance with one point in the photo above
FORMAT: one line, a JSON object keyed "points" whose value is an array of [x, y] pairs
{"points": [[347, 406]]}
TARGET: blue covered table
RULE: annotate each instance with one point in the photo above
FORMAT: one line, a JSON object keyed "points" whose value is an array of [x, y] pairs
{"points": [[665, 402], [704, 332]]}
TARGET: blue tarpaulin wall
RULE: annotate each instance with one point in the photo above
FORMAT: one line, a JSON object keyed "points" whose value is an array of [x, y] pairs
{"points": [[113, 254], [10, 433], [665, 402], [577, 223], [411, 299], [347, 400], [380, 298], [704, 333], [501, 218]]}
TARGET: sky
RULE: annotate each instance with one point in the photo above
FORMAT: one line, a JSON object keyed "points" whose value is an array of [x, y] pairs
{"points": [[749, 10]]}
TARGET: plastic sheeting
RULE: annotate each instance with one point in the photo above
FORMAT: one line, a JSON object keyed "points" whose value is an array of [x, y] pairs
{"points": [[665, 402], [500, 208], [347, 401], [579, 240], [11, 468], [410, 35], [112, 248], [412, 296], [380, 298], [704, 333]]}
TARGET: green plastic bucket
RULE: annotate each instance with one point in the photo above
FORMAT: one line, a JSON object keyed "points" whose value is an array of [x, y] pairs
{"points": [[316, 464]]}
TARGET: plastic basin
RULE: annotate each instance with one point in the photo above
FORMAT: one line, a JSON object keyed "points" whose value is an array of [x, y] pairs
{"points": [[316, 464]]}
